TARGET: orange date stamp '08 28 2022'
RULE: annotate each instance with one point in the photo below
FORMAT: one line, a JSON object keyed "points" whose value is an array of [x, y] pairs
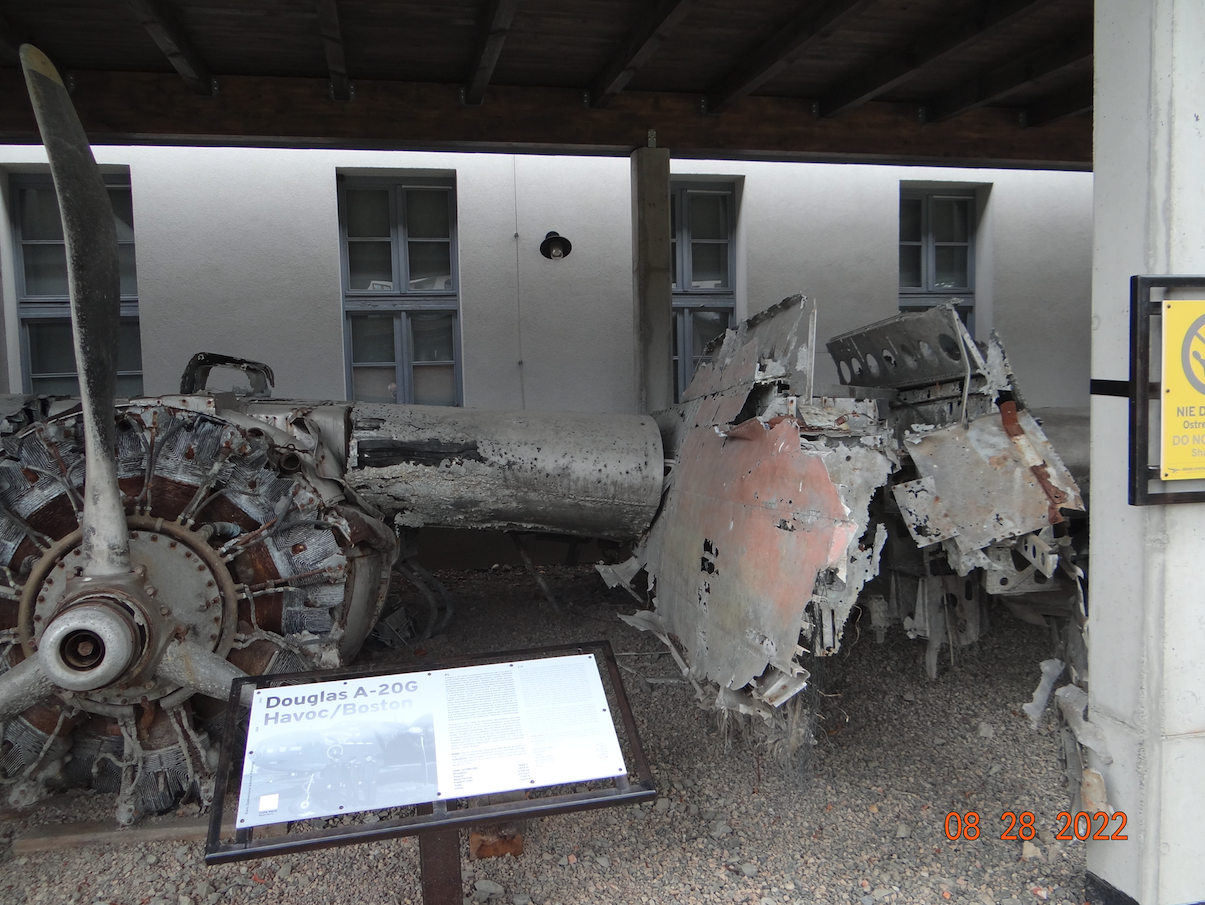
{"points": [[1020, 827]]}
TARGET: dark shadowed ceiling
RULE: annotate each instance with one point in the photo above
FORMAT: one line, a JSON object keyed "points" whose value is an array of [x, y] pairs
{"points": [[996, 82]]}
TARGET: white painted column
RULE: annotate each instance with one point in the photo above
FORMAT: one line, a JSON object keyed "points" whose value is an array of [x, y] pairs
{"points": [[1147, 619]]}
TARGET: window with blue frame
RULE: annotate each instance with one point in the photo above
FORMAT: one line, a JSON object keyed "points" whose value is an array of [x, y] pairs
{"points": [[937, 250], [702, 228], [401, 297], [43, 304]]}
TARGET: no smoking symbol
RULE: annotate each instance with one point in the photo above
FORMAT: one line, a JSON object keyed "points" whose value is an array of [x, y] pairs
{"points": [[1192, 354]]}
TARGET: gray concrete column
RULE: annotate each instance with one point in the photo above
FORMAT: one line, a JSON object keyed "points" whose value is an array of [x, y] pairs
{"points": [[652, 279], [1146, 630]]}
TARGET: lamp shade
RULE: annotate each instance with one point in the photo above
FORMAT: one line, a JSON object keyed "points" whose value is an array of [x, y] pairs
{"points": [[555, 246]]}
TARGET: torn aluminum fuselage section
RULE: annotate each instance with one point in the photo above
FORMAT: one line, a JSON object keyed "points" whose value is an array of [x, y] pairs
{"points": [[575, 473], [763, 512], [997, 479], [742, 514], [777, 344]]}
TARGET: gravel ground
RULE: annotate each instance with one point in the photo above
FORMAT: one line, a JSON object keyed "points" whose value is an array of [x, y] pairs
{"points": [[859, 820]]}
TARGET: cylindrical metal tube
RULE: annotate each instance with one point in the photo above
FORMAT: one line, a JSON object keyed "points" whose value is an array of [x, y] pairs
{"points": [[89, 645], [584, 474]]}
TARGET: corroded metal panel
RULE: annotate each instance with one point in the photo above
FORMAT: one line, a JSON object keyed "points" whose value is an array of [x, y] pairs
{"points": [[778, 343], [739, 512], [995, 479], [907, 350], [585, 474]]}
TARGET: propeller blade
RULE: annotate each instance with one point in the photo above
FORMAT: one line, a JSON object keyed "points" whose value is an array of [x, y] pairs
{"points": [[23, 686], [189, 664], [93, 281]]}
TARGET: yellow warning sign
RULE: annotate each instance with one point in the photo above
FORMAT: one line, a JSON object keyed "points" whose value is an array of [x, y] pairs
{"points": [[1182, 447]]}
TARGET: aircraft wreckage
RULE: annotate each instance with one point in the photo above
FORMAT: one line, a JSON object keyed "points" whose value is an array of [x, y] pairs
{"points": [[154, 549]]}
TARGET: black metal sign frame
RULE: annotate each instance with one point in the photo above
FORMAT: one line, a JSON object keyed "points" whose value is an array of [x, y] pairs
{"points": [[439, 817], [1142, 391]]}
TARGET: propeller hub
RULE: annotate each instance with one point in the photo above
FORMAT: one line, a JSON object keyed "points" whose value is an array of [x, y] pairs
{"points": [[90, 644]]}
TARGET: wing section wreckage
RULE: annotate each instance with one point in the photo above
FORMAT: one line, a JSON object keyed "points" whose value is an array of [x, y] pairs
{"points": [[153, 550]]}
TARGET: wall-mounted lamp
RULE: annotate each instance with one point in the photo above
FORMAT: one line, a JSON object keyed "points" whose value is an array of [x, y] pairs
{"points": [[555, 246]]}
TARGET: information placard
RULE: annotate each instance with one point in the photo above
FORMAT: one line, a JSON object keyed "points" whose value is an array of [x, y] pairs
{"points": [[1182, 439], [348, 745]]}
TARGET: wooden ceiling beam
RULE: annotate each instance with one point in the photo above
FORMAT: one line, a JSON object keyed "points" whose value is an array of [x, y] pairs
{"points": [[1058, 107], [984, 19], [11, 39], [332, 42], [1013, 76], [637, 49], [175, 43], [265, 111], [491, 35], [817, 22]]}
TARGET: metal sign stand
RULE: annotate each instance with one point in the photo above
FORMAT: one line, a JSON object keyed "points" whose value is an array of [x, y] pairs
{"points": [[437, 824]]}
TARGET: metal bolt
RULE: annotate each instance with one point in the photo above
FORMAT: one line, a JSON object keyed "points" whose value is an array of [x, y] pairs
{"points": [[151, 590], [165, 611]]}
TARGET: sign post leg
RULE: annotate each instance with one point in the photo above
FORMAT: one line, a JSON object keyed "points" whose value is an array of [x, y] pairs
{"points": [[439, 865]]}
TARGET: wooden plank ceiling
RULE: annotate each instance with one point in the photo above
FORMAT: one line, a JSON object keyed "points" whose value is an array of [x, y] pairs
{"points": [[961, 82]]}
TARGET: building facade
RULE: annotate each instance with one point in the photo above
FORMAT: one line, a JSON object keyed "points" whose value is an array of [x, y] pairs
{"points": [[414, 276]]}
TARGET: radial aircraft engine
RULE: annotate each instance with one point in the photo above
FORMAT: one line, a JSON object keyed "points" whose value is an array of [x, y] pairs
{"points": [[154, 550]]}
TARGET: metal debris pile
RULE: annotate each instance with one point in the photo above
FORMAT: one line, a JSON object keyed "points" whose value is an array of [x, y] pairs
{"points": [[917, 489]]}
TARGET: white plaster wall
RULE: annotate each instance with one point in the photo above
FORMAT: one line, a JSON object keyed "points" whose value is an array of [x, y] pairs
{"points": [[578, 341], [831, 231]]}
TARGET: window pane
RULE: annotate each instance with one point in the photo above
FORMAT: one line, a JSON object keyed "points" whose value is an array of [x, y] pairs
{"points": [[430, 265], [129, 273], [708, 216], [709, 265], [45, 270], [50, 350], [372, 338], [129, 348], [369, 265], [432, 336], [707, 325], [374, 384], [55, 386], [123, 214], [910, 219], [367, 213], [951, 267], [951, 219], [428, 214], [434, 384], [910, 266], [40, 214], [129, 385]]}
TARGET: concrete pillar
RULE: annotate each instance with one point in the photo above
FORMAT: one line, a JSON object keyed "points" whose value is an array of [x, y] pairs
{"points": [[652, 279], [1147, 618]]}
